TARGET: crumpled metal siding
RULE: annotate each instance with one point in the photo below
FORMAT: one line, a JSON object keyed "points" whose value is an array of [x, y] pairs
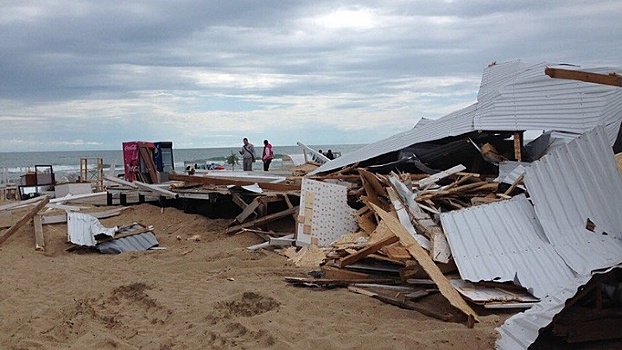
{"points": [[513, 96], [82, 229], [577, 182], [502, 242]]}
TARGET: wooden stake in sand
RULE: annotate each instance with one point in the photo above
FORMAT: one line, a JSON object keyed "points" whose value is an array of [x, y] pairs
{"points": [[24, 219]]}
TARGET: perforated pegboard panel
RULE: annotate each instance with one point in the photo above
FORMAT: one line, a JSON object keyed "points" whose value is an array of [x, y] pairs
{"points": [[324, 213]]}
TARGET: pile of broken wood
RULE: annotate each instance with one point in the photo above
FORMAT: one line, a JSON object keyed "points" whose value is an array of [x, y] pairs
{"points": [[400, 254]]}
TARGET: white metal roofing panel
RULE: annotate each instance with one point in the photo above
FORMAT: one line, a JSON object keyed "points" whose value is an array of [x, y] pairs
{"points": [[521, 330], [513, 96], [453, 124], [82, 229], [576, 183], [504, 241]]}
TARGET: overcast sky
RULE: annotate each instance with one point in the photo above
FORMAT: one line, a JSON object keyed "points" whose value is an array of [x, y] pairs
{"points": [[88, 75]]}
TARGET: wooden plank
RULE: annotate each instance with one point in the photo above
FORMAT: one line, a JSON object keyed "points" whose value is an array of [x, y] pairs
{"points": [[249, 210], [153, 188], [263, 220], [370, 249], [147, 159], [279, 187], [39, 239], [514, 184], [56, 219], [20, 204], [332, 272], [119, 181], [402, 303], [440, 175], [24, 219], [422, 257], [612, 79]]}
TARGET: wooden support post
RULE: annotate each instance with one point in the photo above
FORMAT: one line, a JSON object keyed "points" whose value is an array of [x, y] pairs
{"points": [[518, 145], [123, 199], [108, 198], [39, 239], [141, 198], [24, 219]]}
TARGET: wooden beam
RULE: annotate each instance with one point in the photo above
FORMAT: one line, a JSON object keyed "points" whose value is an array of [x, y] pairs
{"points": [[24, 219], [422, 257], [440, 175], [612, 79]]}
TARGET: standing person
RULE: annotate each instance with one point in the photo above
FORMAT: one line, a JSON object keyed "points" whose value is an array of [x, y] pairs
{"points": [[266, 155], [248, 155], [330, 155]]}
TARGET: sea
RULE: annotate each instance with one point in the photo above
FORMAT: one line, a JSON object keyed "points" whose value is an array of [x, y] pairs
{"points": [[66, 164]]}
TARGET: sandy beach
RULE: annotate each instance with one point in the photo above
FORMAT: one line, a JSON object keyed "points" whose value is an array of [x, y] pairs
{"points": [[210, 293]]}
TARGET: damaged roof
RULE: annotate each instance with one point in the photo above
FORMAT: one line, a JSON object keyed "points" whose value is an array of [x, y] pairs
{"points": [[513, 96]]}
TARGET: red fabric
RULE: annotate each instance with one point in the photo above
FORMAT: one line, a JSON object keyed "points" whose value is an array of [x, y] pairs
{"points": [[267, 152]]}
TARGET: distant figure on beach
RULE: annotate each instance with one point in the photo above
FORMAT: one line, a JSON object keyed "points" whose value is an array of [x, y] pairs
{"points": [[316, 158], [248, 155], [330, 155], [267, 155]]}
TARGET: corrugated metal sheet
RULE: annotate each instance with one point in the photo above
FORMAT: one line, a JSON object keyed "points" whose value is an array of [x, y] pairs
{"points": [[138, 242], [513, 96], [82, 229], [573, 184], [502, 242], [521, 330]]}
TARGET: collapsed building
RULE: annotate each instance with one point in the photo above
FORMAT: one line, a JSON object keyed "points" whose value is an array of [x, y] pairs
{"points": [[564, 228]]}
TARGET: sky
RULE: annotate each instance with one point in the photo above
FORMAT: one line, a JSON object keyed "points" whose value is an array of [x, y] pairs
{"points": [[91, 74]]}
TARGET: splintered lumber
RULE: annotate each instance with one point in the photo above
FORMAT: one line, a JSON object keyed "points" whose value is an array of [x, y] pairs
{"points": [[205, 180], [422, 257], [404, 218], [373, 188], [514, 184], [24, 219], [365, 219], [402, 302], [263, 220], [370, 249], [440, 175], [439, 250]]}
